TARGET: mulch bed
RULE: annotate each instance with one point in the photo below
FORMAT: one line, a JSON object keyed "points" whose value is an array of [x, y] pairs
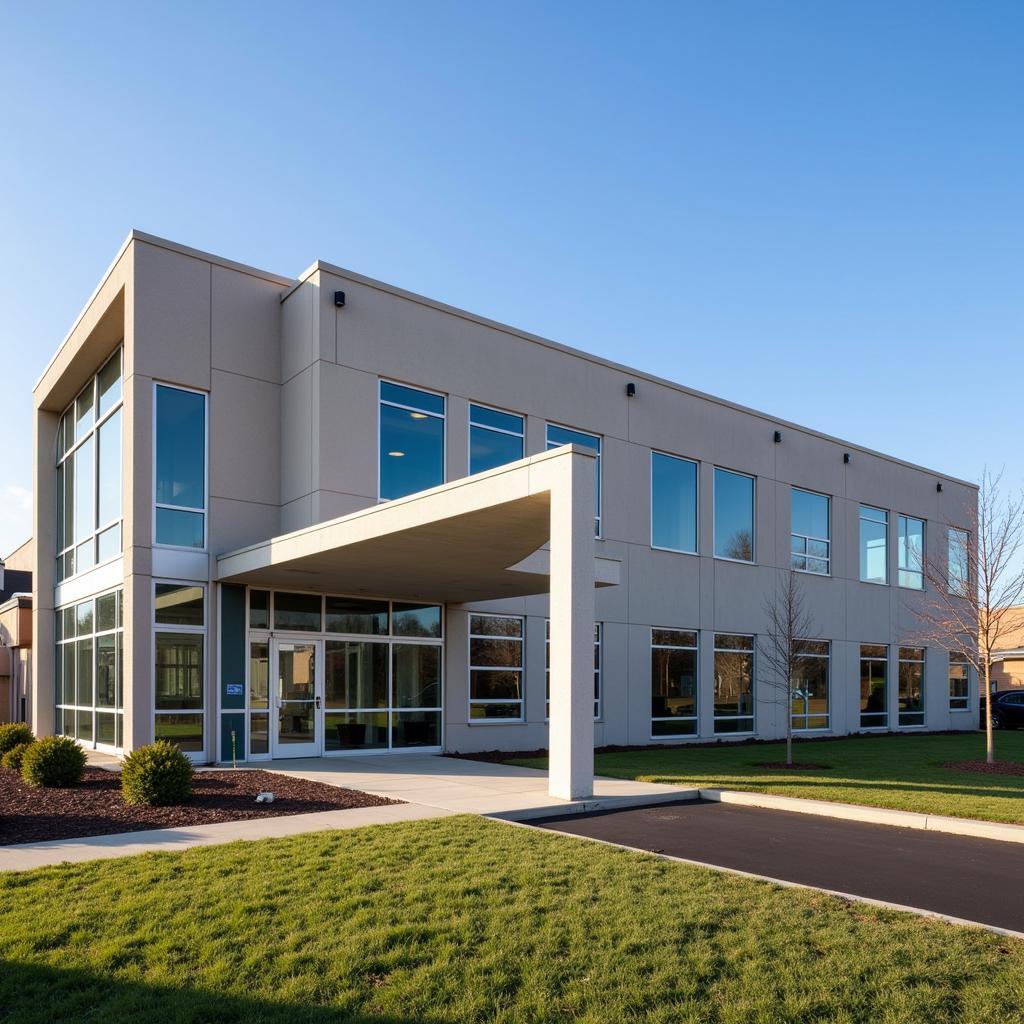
{"points": [[94, 807], [999, 768], [795, 766]]}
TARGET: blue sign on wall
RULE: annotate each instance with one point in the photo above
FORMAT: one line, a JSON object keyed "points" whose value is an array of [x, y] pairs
{"points": [[234, 689]]}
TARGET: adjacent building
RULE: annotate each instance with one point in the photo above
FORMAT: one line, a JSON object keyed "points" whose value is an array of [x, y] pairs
{"points": [[284, 517], [16, 634]]}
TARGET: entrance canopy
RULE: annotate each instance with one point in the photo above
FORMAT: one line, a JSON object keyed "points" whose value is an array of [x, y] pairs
{"points": [[475, 539]]}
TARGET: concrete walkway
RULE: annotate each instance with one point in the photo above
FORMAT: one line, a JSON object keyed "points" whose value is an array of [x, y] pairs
{"points": [[472, 787], [432, 786]]}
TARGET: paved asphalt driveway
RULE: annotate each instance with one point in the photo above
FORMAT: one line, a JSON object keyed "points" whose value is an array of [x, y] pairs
{"points": [[975, 879]]}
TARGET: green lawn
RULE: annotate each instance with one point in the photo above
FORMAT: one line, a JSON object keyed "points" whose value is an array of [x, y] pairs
{"points": [[464, 919], [903, 772]]}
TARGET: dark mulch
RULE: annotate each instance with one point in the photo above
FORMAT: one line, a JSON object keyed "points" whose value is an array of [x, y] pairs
{"points": [[795, 766], [95, 807], [999, 768]]}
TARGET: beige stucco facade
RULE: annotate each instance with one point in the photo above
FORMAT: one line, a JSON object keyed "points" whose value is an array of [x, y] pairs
{"points": [[292, 380]]}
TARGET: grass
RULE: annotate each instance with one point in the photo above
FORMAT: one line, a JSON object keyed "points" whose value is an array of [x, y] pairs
{"points": [[901, 772], [463, 919]]}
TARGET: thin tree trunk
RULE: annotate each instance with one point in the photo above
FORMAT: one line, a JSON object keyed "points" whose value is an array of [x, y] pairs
{"points": [[990, 754], [789, 739]]}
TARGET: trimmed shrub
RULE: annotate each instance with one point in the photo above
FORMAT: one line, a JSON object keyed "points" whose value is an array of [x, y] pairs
{"points": [[53, 761], [12, 759], [156, 775], [13, 735]]}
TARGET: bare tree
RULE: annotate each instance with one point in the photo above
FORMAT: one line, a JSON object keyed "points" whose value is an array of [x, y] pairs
{"points": [[970, 596], [781, 648]]}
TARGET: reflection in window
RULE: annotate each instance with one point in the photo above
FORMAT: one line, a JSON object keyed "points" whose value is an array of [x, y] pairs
{"points": [[495, 668], [910, 552], [411, 440], [179, 664], [673, 503], [959, 566], [180, 467], [809, 707], [810, 534], [598, 631], [874, 676], [558, 436], [911, 686], [734, 683], [734, 516], [495, 438], [874, 545], [673, 682], [959, 682]]}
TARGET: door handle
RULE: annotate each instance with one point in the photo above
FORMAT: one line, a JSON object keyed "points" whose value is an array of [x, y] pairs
{"points": [[317, 698]]}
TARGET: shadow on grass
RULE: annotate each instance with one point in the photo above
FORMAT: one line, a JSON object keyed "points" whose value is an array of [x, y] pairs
{"points": [[36, 993]]}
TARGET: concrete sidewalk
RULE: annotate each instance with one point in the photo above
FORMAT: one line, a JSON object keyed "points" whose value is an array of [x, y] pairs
{"points": [[472, 787]]}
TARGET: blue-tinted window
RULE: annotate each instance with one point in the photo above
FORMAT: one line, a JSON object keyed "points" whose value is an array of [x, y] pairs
{"points": [[110, 470], [180, 448], [558, 436], [411, 440], [910, 552], [874, 545], [495, 438], [810, 541], [734, 516], [673, 503], [959, 564], [179, 529]]}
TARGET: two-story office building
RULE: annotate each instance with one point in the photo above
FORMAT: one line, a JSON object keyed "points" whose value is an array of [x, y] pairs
{"points": [[320, 516]]}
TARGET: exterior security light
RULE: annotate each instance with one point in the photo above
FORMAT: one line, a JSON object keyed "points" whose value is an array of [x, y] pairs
{"points": [[631, 390], [938, 487], [778, 437], [846, 457], [339, 299]]}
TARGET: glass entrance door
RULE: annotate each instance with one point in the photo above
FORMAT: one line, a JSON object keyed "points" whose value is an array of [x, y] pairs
{"points": [[297, 690]]}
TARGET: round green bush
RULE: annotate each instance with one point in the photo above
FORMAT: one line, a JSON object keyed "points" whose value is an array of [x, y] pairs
{"points": [[53, 761], [12, 759], [156, 775], [13, 735]]}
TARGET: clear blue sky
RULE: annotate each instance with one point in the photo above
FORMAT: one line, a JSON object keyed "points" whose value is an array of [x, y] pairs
{"points": [[813, 209]]}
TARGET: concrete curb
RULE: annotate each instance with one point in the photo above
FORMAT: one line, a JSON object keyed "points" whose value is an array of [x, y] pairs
{"points": [[594, 804], [874, 815]]}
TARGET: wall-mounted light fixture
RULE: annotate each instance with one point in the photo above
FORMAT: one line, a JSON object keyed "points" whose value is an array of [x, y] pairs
{"points": [[846, 458], [339, 299], [778, 437], [631, 390], [938, 487]]}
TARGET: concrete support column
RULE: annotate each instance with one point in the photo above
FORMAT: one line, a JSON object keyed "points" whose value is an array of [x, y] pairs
{"points": [[571, 743]]}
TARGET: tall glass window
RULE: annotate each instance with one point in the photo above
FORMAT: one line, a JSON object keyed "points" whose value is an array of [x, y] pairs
{"points": [[874, 676], [88, 671], [810, 536], [495, 438], [597, 668], [496, 668], [958, 570], [734, 516], [557, 436], [874, 545], [809, 707], [88, 485], [179, 643], [734, 683], [673, 503], [180, 467], [673, 682], [411, 440], [911, 683], [910, 551], [959, 682]]}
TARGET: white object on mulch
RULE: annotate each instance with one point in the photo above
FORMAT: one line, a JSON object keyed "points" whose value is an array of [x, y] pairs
{"points": [[266, 797]]}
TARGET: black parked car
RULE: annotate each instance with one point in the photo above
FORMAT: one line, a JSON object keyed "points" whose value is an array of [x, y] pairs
{"points": [[1007, 709]]}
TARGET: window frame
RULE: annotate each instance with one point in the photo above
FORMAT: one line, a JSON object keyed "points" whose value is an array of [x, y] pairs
{"points": [[470, 424], [964, 590], [716, 718], [827, 658], [598, 469], [177, 630], [696, 500], [598, 670], [861, 658], [860, 521], [521, 670], [442, 416], [827, 541], [966, 706], [902, 521], [205, 510], [714, 519], [900, 662], [695, 717], [65, 456]]}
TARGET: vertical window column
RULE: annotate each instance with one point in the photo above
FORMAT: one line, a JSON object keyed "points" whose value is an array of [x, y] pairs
{"points": [[734, 683], [810, 536], [910, 552], [598, 632], [411, 440], [558, 436], [496, 668], [911, 686], [874, 544], [673, 503], [959, 682], [673, 682], [734, 516], [809, 707], [874, 689], [180, 467], [180, 669]]}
